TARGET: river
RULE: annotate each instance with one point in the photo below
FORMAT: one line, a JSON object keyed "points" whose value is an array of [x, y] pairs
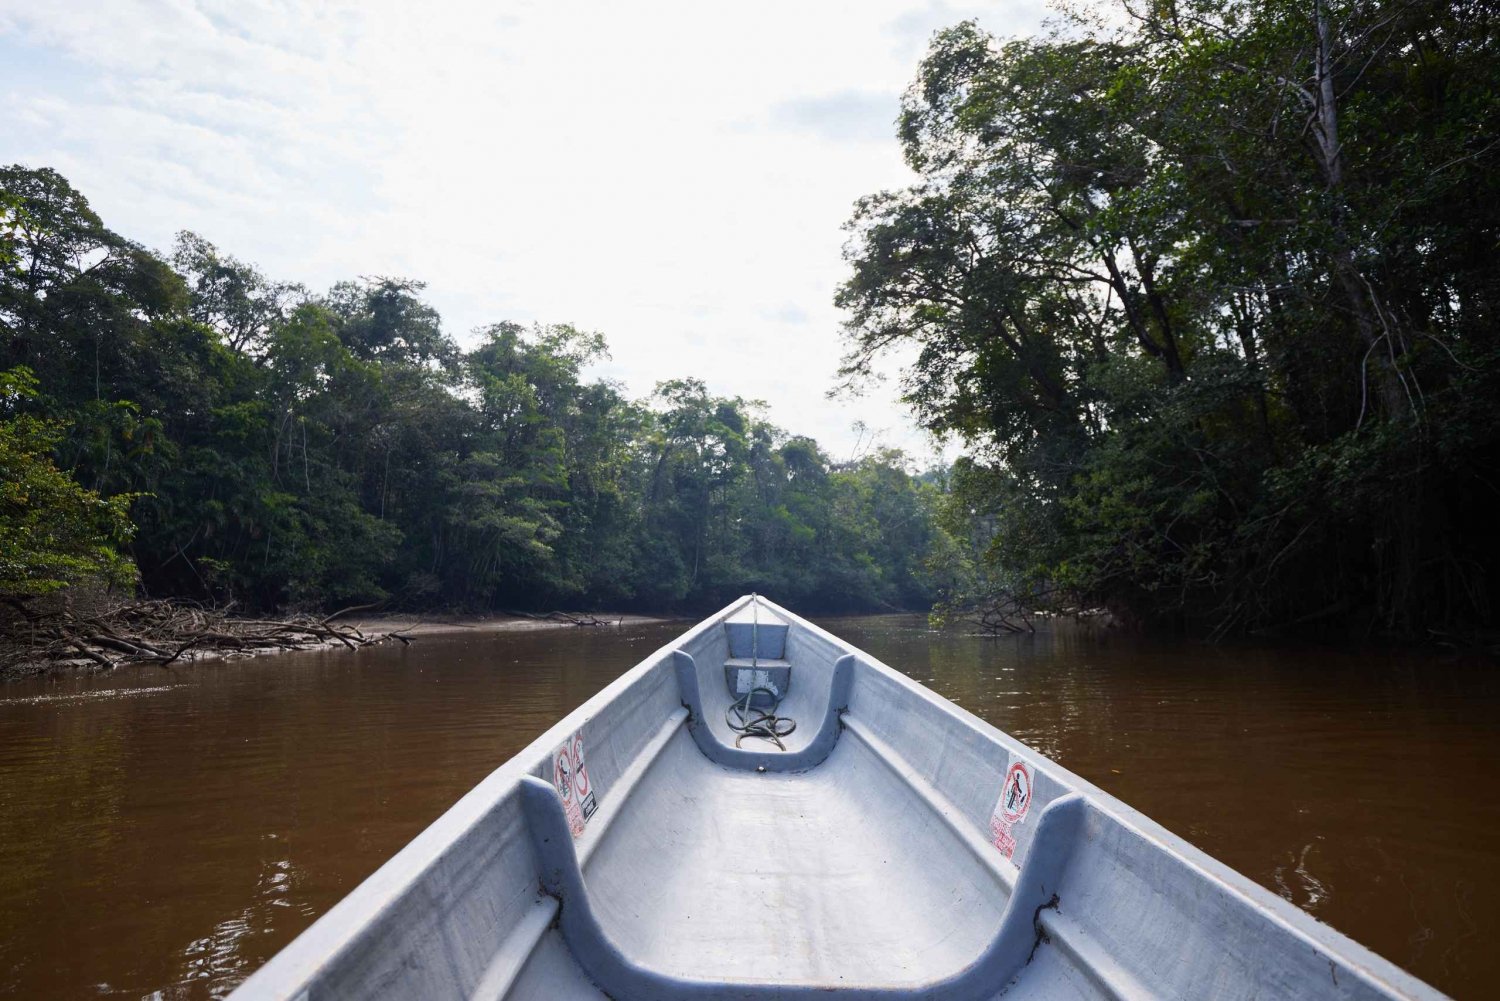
{"points": [[164, 832]]}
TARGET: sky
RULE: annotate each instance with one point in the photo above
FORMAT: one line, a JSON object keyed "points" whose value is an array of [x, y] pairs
{"points": [[672, 174]]}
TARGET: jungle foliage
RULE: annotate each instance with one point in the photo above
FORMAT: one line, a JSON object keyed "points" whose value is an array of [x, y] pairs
{"points": [[280, 448], [1210, 290]]}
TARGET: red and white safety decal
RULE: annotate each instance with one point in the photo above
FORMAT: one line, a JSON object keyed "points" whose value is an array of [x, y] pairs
{"points": [[1011, 807], [570, 777]]}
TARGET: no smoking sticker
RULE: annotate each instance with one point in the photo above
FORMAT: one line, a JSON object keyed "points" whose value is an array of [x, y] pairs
{"points": [[570, 777], [1011, 807]]}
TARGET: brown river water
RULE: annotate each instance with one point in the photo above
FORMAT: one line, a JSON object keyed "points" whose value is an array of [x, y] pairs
{"points": [[163, 833]]}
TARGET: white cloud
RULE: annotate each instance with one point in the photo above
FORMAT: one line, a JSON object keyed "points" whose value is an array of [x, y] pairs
{"points": [[674, 174], [843, 117]]}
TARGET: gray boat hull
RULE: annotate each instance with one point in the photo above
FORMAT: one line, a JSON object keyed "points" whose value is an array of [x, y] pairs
{"points": [[898, 848]]}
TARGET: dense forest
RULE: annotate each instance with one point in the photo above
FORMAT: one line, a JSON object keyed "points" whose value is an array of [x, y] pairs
{"points": [[1209, 289], [184, 425]]}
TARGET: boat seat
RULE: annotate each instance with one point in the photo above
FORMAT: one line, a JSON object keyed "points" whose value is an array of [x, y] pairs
{"points": [[756, 631], [806, 749]]}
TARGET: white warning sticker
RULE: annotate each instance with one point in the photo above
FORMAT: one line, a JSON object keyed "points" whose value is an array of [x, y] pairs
{"points": [[570, 777], [1011, 807]]}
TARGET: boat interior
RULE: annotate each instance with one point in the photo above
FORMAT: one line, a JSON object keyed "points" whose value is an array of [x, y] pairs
{"points": [[871, 852]]}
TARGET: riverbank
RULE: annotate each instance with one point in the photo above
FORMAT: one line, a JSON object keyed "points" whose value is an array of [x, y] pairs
{"points": [[412, 626], [101, 633]]}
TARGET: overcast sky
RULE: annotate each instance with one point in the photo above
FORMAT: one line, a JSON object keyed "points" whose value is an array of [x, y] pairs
{"points": [[673, 174]]}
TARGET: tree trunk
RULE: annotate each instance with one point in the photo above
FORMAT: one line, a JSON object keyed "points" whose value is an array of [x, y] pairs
{"points": [[1359, 294]]}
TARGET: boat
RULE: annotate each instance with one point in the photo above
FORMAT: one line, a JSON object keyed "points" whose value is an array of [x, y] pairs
{"points": [[759, 810]]}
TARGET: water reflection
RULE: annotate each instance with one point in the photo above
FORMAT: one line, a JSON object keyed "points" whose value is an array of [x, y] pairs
{"points": [[163, 833], [1295, 880], [219, 959]]}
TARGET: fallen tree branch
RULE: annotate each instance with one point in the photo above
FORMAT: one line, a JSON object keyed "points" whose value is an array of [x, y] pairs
{"points": [[38, 636], [354, 608]]}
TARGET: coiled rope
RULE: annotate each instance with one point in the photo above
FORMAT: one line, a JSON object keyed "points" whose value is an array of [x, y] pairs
{"points": [[763, 723]]}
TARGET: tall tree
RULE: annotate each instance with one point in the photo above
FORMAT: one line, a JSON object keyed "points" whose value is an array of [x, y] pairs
{"points": [[1200, 296]]}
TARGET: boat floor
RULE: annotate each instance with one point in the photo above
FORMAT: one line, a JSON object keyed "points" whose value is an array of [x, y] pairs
{"points": [[554, 973], [839, 875]]}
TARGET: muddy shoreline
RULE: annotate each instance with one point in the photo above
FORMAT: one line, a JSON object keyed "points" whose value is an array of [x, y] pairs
{"points": [[413, 626], [22, 657]]}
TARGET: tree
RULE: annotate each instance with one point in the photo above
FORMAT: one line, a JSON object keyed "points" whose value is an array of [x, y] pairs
{"points": [[53, 532], [1200, 297], [233, 297], [281, 449]]}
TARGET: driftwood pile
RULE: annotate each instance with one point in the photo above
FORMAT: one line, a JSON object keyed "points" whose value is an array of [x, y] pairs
{"points": [[38, 635]]}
